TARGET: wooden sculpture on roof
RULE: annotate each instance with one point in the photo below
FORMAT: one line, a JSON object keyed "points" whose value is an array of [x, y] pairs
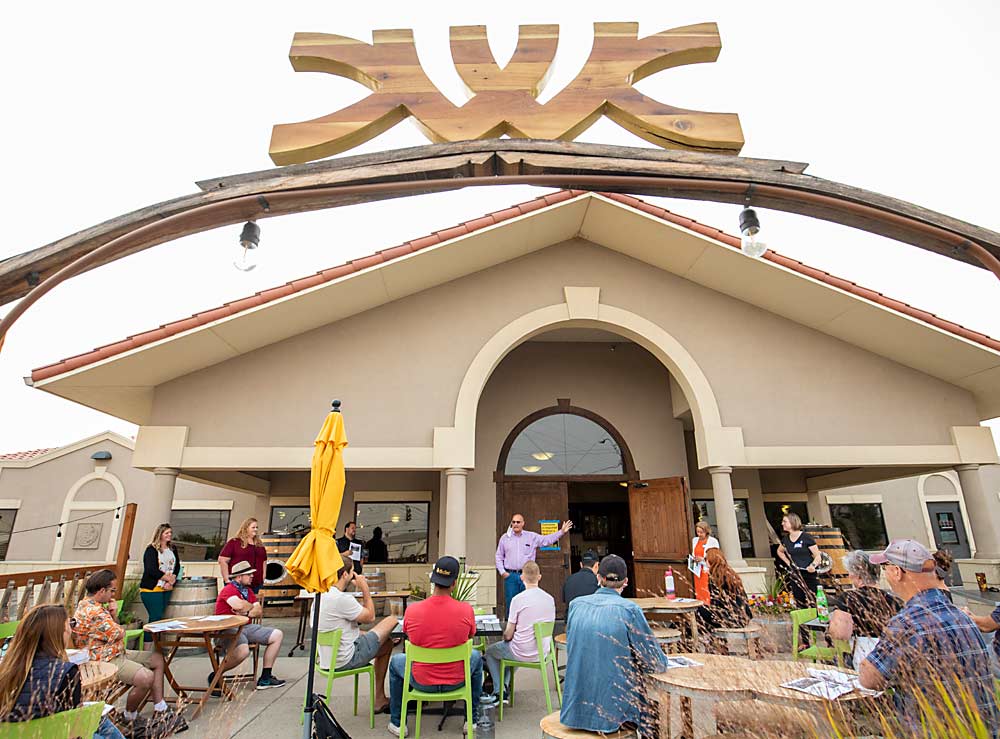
{"points": [[505, 100]]}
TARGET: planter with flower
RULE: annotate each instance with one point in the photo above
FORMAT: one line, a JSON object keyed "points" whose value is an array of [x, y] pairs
{"points": [[771, 611]]}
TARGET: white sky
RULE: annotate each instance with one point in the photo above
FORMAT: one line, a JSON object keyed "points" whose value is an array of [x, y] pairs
{"points": [[113, 106]]}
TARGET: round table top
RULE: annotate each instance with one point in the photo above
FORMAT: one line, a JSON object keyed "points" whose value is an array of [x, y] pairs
{"points": [[195, 625], [93, 674], [666, 605], [738, 677]]}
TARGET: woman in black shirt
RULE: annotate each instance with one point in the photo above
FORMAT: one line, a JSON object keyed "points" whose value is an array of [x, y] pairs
{"points": [[800, 553]]}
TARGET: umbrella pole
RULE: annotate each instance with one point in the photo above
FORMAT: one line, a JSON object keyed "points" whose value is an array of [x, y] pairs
{"points": [[311, 674]]}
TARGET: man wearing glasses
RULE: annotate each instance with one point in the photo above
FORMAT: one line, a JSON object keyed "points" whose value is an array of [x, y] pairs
{"points": [[518, 546], [930, 653]]}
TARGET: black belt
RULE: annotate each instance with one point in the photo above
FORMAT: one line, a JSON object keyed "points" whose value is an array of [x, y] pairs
{"points": [[518, 572]]}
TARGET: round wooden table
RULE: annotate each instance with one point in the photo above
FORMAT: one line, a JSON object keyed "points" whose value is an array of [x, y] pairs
{"points": [[196, 632], [94, 677], [730, 678], [684, 607]]}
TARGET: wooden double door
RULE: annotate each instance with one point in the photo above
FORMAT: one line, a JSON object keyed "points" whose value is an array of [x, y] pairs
{"points": [[659, 517]]}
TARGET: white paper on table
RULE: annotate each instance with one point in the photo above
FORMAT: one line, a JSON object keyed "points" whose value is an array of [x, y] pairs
{"points": [[165, 626], [673, 662], [685, 600], [819, 687], [107, 707], [694, 567], [213, 618]]}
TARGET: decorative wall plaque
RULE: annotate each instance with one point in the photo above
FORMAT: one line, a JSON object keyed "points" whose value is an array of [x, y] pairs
{"points": [[505, 100], [88, 535]]}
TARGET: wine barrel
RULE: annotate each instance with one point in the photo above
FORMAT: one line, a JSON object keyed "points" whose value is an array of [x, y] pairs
{"points": [[192, 596], [280, 546], [830, 540], [278, 597], [376, 582]]}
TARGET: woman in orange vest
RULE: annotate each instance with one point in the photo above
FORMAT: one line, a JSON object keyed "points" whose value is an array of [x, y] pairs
{"points": [[699, 547]]}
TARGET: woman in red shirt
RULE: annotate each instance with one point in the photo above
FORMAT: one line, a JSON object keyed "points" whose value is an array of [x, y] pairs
{"points": [[245, 547]]}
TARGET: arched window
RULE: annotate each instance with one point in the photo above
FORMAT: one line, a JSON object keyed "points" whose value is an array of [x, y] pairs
{"points": [[564, 444]]}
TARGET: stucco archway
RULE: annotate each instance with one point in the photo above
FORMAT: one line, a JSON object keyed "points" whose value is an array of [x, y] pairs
{"points": [[455, 446]]}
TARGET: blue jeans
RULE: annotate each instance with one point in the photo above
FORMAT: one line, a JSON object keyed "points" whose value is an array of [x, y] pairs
{"points": [[494, 653], [398, 664], [107, 730], [512, 585]]}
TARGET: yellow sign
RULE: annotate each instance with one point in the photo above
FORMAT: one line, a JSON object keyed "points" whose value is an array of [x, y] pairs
{"points": [[545, 528], [505, 100]]}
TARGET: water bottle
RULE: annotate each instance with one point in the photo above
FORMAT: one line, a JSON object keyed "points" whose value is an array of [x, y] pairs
{"points": [[486, 727], [822, 611], [668, 581]]}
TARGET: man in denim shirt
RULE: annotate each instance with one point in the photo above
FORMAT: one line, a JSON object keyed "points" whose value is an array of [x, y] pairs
{"points": [[610, 650], [930, 653]]}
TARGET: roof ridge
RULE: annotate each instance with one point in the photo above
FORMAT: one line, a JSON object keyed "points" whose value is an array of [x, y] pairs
{"points": [[411, 246]]}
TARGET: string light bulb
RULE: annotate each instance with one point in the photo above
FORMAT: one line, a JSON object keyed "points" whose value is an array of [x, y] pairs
{"points": [[749, 228]]}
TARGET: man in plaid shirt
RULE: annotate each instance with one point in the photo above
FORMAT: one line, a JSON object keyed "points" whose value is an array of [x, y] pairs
{"points": [[930, 651]]}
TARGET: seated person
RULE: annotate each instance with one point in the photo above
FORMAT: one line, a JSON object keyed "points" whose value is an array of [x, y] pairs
{"points": [[584, 580], [862, 613], [609, 653], [98, 631], [340, 610], [36, 680], [237, 599], [930, 653], [728, 606], [439, 622], [532, 605]]}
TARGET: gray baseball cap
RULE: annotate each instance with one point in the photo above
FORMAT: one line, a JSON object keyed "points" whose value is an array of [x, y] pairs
{"points": [[908, 554]]}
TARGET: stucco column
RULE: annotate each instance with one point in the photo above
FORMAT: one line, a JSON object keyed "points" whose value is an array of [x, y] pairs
{"points": [[157, 508], [819, 511], [725, 514], [983, 509], [454, 518]]}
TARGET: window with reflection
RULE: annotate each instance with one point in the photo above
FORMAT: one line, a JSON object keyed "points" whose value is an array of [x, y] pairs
{"points": [[393, 533], [199, 535], [564, 444], [289, 519], [7, 517], [705, 510]]}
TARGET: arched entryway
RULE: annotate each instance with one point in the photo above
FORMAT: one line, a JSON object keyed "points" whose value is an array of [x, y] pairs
{"points": [[568, 462]]}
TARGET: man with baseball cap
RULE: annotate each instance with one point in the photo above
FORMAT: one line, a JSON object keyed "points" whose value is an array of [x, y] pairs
{"points": [[440, 622], [238, 599], [584, 580], [610, 650], [930, 653]]}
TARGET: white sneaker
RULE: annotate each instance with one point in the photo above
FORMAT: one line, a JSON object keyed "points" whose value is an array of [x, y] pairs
{"points": [[394, 730]]}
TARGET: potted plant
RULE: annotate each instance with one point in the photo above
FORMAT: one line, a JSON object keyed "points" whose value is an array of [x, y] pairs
{"points": [[466, 585], [771, 610], [129, 598]]}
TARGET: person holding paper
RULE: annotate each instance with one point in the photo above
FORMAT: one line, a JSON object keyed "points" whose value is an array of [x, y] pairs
{"points": [[355, 547], [699, 547], [518, 546]]}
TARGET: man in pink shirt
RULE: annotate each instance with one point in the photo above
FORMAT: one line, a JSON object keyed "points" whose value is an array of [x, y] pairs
{"points": [[518, 546], [529, 607]]}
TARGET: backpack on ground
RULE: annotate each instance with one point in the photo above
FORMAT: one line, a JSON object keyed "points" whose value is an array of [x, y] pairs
{"points": [[325, 724]]}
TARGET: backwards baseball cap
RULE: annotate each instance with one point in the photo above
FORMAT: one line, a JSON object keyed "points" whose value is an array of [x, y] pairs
{"points": [[589, 557], [241, 568], [613, 568], [445, 572], [908, 554]]}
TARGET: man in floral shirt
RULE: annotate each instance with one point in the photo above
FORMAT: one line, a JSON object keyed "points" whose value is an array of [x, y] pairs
{"points": [[98, 631]]}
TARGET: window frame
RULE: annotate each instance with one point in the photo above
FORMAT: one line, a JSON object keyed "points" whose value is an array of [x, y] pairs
{"points": [[745, 551], [408, 502], [270, 518], [225, 529], [843, 530], [13, 522]]}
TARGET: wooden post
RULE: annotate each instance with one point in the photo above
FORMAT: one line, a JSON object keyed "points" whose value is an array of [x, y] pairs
{"points": [[125, 544]]}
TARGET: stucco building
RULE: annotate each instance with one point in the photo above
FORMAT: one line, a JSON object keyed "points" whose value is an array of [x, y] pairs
{"points": [[580, 355]]}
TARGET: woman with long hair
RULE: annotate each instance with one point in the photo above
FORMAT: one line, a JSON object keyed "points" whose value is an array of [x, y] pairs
{"points": [[36, 679], [729, 607], [161, 564], [245, 547], [700, 546]]}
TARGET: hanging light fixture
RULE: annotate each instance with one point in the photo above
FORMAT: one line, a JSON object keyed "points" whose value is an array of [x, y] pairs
{"points": [[249, 241], [543, 456], [749, 228], [531, 468]]}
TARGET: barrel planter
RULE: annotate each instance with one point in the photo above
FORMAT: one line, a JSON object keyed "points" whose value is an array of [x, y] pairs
{"points": [[830, 540], [279, 590], [776, 632], [193, 596]]}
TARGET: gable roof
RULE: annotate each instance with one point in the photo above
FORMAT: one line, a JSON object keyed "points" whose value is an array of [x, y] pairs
{"points": [[561, 215], [24, 456], [35, 457]]}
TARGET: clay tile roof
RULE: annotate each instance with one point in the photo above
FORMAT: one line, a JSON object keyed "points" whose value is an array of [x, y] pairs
{"points": [[23, 456], [387, 255]]}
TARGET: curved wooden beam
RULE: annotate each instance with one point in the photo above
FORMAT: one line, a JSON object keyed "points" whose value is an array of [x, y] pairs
{"points": [[779, 185]]}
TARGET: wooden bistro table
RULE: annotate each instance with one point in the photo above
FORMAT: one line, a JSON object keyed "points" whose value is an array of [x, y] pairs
{"points": [[94, 677], [684, 607], [730, 678], [303, 601], [196, 633]]}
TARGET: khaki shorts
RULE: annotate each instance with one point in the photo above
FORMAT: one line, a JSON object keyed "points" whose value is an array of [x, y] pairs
{"points": [[130, 663]]}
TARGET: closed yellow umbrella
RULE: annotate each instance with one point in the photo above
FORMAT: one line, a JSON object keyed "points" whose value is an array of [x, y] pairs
{"points": [[315, 561]]}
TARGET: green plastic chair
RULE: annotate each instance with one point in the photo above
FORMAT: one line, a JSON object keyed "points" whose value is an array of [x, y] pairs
{"points": [[480, 643], [429, 656], [543, 631], [131, 634], [81, 722], [332, 639], [8, 629], [815, 652]]}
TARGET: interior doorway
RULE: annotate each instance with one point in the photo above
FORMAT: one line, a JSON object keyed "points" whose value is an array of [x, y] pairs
{"points": [[600, 513]]}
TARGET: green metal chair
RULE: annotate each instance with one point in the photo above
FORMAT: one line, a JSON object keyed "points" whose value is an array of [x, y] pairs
{"points": [[543, 631], [8, 629], [429, 656], [81, 722], [332, 639], [815, 652], [131, 634]]}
